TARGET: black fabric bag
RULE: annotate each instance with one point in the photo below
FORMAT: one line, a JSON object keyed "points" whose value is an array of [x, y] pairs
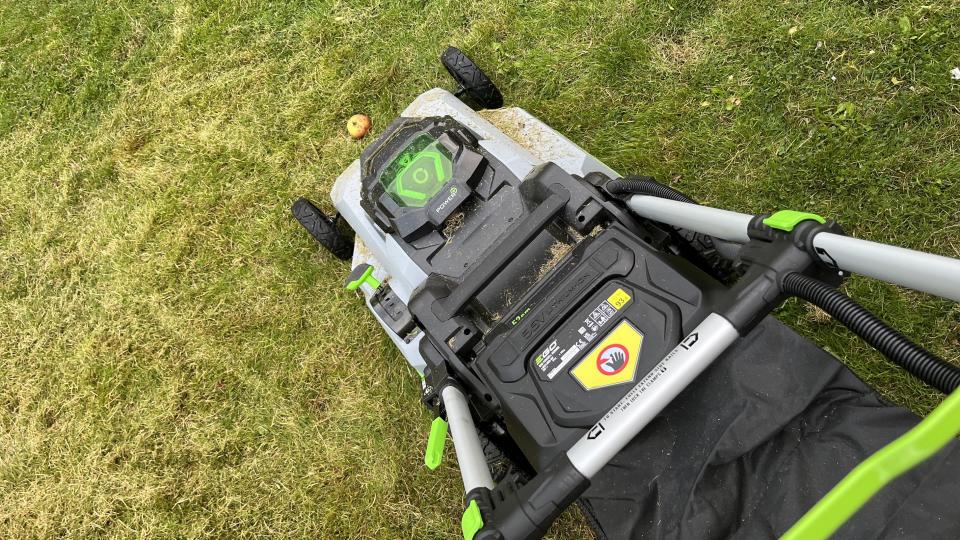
{"points": [[759, 438]]}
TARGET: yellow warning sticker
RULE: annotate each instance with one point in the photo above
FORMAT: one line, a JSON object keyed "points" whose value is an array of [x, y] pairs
{"points": [[618, 299], [614, 360]]}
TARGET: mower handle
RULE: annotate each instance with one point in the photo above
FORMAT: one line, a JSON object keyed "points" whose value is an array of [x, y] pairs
{"points": [[934, 274], [926, 272], [466, 442]]}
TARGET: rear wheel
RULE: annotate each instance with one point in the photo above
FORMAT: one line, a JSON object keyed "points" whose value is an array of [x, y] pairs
{"points": [[323, 229], [704, 253], [503, 457], [713, 255], [472, 80]]}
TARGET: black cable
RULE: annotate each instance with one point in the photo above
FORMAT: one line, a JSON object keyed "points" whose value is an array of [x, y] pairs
{"points": [[644, 185], [915, 359]]}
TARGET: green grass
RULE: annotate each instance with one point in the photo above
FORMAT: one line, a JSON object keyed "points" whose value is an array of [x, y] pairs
{"points": [[178, 359]]}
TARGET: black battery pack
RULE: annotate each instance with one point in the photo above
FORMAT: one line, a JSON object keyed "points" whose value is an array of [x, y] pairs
{"points": [[578, 341]]}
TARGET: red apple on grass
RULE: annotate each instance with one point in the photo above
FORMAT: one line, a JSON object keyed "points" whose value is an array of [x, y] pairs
{"points": [[358, 125]]}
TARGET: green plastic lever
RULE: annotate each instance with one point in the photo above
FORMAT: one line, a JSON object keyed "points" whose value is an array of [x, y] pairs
{"points": [[472, 521], [435, 444], [786, 220], [365, 272]]}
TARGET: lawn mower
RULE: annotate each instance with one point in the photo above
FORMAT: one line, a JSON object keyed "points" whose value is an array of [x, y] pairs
{"points": [[599, 339]]}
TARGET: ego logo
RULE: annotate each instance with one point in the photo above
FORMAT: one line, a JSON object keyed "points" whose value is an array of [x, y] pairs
{"points": [[613, 359]]}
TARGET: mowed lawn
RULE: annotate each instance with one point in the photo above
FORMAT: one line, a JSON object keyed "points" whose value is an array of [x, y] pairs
{"points": [[178, 359]]}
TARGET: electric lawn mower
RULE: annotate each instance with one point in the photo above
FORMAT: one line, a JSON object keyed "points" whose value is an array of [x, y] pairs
{"points": [[605, 340]]}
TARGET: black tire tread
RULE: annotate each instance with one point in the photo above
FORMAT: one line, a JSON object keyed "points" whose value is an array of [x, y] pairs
{"points": [[322, 228], [498, 462], [716, 264], [468, 75]]}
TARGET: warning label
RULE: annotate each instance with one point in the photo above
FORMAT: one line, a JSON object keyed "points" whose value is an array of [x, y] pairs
{"points": [[566, 347], [613, 361]]}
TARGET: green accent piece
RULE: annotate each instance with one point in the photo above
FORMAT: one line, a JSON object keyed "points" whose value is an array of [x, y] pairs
{"points": [[418, 173], [786, 220], [366, 277], [866, 479], [435, 444], [472, 521]]}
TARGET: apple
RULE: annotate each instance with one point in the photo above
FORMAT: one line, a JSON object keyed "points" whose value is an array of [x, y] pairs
{"points": [[358, 125]]}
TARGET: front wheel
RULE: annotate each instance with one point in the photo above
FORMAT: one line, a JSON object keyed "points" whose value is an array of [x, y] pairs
{"points": [[323, 229], [472, 80]]}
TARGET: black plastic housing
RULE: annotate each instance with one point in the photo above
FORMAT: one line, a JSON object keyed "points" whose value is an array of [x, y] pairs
{"points": [[519, 264], [545, 409]]}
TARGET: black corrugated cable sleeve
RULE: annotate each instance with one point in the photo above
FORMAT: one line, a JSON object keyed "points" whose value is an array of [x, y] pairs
{"points": [[915, 359], [644, 185]]}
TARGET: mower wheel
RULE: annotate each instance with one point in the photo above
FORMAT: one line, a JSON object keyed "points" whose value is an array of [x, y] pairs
{"points": [[708, 257], [498, 462], [472, 80], [322, 228]]}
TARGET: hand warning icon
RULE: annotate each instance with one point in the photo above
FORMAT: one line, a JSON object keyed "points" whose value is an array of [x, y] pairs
{"points": [[612, 359], [611, 362]]}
